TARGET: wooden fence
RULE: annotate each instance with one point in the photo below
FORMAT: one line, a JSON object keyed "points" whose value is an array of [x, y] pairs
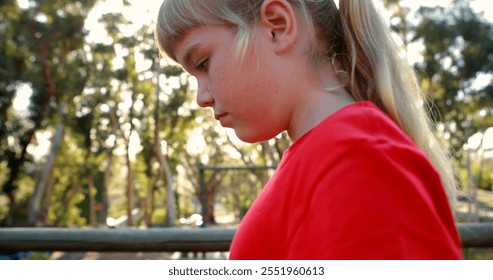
{"points": [[161, 239]]}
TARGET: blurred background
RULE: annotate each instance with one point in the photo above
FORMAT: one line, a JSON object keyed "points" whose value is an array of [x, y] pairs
{"points": [[98, 130]]}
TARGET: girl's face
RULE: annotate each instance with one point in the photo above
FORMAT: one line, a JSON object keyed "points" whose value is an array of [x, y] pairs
{"points": [[250, 95]]}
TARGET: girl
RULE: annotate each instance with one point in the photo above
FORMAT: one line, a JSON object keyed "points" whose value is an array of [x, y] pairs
{"points": [[364, 177]]}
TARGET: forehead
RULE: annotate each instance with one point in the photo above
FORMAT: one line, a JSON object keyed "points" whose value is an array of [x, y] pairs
{"points": [[201, 36]]}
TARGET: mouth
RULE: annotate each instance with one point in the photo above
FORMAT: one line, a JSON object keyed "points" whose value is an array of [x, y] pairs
{"points": [[219, 116]]}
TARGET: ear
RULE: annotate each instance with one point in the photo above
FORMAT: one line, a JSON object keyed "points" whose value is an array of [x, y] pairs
{"points": [[279, 20]]}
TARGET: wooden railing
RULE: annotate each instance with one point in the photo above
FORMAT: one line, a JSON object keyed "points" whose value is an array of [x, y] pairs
{"points": [[161, 239]]}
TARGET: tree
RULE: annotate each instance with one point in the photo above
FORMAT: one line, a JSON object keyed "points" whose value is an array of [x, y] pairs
{"points": [[455, 71], [43, 50], [458, 46]]}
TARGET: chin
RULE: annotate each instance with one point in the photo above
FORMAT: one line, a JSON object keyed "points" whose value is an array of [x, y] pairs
{"points": [[253, 137]]}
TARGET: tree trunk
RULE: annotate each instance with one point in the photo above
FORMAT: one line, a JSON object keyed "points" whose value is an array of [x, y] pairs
{"points": [[210, 218], [47, 201], [148, 203], [130, 189], [103, 213], [39, 188], [270, 159], [166, 170], [92, 200], [164, 165]]}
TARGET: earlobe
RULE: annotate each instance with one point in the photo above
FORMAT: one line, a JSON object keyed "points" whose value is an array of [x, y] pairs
{"points": [[279, 18]]}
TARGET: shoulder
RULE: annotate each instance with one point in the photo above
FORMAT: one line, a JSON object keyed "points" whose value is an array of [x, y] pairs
{"points": [[355, 129], [365, 158], [361, 121], [358, 148]]}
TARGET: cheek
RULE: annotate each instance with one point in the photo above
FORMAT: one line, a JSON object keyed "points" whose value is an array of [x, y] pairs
{"points": [[246, 88], [228, 85]]}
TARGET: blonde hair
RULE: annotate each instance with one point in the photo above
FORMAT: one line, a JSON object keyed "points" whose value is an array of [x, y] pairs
{"points": [[358, 42]]}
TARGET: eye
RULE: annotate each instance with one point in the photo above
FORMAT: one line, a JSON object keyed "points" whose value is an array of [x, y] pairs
{"points": [[203, 65]]}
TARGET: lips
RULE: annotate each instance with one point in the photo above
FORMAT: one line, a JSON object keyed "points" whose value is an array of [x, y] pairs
{"points": [[219, 116]]}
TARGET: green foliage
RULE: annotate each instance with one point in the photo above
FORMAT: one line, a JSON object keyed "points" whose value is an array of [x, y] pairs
{"points": [[458, 47], [485, 175], [480, 176], [44, 50], [69, 188], [38, 256], [486, 181], [158, 217], [478, 253], [240, 190]]}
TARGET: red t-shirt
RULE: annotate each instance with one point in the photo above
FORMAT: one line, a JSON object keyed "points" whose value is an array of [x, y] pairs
{"points": [[354, 187]]}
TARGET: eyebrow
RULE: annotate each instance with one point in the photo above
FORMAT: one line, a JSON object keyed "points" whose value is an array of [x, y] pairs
{"points": [[188, 54]]}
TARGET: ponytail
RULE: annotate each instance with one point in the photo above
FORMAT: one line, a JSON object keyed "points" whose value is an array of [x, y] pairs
{"points": [[378, 72]]}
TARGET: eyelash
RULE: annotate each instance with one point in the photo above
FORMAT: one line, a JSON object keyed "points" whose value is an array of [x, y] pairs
{"points": [[203, 65]]}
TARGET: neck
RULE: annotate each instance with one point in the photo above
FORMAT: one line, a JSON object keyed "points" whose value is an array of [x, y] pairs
{"points": [[316, 102]]}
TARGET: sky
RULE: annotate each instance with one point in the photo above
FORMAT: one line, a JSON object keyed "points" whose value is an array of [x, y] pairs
{"points": [[142, 12]]}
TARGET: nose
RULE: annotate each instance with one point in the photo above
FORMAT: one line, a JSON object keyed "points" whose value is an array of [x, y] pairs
{"points": [[204, 98]]}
